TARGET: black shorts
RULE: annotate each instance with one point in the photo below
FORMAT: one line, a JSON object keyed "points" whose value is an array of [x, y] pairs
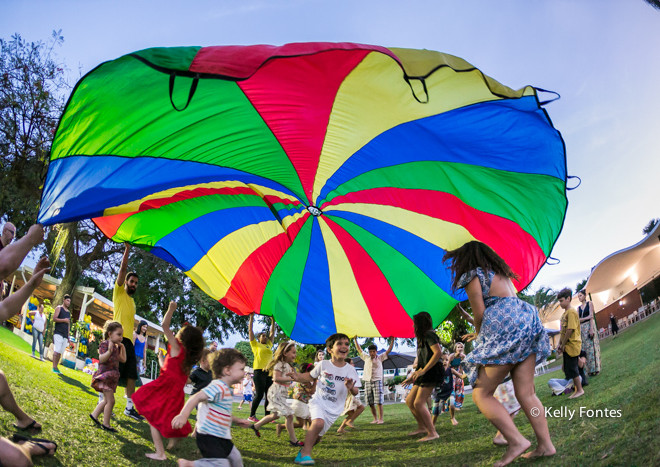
{"points": [[571, 368], [213, 447], [128, 370]]}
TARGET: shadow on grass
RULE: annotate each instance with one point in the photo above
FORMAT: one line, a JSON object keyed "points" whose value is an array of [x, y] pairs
{"points": [[74, 382]]}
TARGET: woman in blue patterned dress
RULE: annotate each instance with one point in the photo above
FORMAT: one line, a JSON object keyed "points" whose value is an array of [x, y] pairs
{"points": [[509, 338]]}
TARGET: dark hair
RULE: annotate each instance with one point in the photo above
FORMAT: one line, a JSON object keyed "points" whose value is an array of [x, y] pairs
{"points": [[583, 292], [422, 323], [221, 359], [565, 293], [306, 367], [192, 340], [475, 255], [372, 347], [110, 327], [139, 328], [66, 296], [330, 341], [132, 274]]}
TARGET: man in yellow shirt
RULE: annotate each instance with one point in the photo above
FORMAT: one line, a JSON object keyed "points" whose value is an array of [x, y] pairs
{"points": [[570, 341], [262, 348], [122, 298]]}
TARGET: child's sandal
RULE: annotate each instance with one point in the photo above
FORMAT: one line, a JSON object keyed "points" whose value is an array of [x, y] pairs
{"points": [[256, 431], [296, 444]]}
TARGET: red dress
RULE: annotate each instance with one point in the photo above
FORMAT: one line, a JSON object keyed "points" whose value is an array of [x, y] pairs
{"points": [[162, 399]]}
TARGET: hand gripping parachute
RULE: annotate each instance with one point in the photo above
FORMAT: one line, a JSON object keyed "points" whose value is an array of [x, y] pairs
{"points": [[317, 183]]}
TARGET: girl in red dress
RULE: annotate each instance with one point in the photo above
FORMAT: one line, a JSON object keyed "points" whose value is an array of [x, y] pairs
{"points": [[162, 399]]}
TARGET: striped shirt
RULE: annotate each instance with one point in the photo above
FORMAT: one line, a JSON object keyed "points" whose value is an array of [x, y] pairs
{"points": [[214, 415]]}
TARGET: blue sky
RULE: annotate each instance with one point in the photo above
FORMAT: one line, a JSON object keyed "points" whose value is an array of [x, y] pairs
{"points": [[602, 56]]}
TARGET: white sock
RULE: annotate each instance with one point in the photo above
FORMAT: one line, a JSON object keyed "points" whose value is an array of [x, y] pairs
{"points": [[129, 403]]}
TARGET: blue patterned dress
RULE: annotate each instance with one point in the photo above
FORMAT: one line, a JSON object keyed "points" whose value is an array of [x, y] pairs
{"points": [[511, 330]]}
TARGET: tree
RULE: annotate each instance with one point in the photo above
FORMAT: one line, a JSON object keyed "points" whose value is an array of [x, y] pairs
{"points": [[244, 348], [650, 226], [654, 3], [580, 285], [32, 93]]}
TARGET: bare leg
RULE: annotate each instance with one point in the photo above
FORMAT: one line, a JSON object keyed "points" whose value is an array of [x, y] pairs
{"points": [[109, 400], [12, 304], [452, 414], [130, 387], [56, 360], [159, 455], [523, 384], [290, 430], [10, 405], [410, 402], [579, 391], [490, 376], [374, 413], [312, 436], [267, 419], [100, 407], [380, 412], [423, 413], [20, 454], [172, 443]]}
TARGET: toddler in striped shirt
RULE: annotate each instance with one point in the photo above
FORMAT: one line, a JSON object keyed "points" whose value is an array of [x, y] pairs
{"points": [[214, 417]]}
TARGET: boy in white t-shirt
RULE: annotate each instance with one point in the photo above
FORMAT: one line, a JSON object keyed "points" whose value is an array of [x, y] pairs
{"points": [[334, 379], [247, 391], [214, 417]]}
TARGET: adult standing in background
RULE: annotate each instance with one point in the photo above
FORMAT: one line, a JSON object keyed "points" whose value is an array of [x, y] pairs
{"points": [[615, 325], [122, 298], [372, 376], [589, 333], [262, 348], [62, 319], [38, 326]]}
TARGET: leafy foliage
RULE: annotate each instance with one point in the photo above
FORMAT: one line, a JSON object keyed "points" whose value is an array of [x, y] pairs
{"points": [[244, 348]]}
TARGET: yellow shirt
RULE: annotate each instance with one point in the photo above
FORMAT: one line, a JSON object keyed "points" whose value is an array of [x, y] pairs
{"points": [[124, 310], [263, 353], [570, 320]]}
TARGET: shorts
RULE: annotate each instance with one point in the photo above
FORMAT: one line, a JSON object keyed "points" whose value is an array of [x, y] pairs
{"points": [[128, 370], [571, 368], [300, 409], [60, 344], [247, 397], [316, 411], [214, 447], [374, 392]]}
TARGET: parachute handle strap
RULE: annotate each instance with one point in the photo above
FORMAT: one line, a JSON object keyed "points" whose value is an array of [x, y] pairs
{"points": [[551, 92], [552, 261], [421, 80], [573, 188], [191, 93]]}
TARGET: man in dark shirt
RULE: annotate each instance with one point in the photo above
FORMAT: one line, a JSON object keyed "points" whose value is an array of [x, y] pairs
{"points": [[62, 318]]}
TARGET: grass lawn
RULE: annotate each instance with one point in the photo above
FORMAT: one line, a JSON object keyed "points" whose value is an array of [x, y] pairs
{"points": [[629, 383], [9, 338]]}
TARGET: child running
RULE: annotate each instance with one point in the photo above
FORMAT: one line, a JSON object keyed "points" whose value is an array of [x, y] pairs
{"points": [[247, 391], [214, 418], [510, 338], [353, 407], [111, 352], [335, 379], [302, 393], [458, 394], [202, 375], [279, 368], [162, 399], [443, 391]]}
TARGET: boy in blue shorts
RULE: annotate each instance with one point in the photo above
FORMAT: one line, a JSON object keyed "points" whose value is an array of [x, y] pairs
{"points": [[214, 416]]}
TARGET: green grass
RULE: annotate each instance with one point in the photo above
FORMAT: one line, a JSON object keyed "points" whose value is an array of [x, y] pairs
{"points": [[9, 338], [631, 366]]}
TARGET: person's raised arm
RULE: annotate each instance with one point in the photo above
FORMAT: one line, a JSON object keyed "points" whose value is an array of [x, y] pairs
{"points": [[123, 268], [251, 327], [389, 349], [358, 348], [182, 418], [271, 338], [171, 338], [468, 317]]}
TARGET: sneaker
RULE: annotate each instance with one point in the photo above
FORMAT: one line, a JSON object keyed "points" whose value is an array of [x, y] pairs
{"points": [[306, 460], [133, 414], [56, 371], [253, 419]]}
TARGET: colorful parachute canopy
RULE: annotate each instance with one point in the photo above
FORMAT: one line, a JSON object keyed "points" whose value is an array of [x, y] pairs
{"points": [[318, 183]]}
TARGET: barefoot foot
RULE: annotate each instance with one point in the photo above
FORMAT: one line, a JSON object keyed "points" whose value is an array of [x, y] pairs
{"points": [[430, 437], [417, 432], [513, 451], [185, 463], [500, 440], [454, 421], [541, 451], [575, 395], [155, 456]]}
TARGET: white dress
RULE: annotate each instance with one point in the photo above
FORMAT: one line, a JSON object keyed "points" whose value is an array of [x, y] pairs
{"points": [[278, 393]]}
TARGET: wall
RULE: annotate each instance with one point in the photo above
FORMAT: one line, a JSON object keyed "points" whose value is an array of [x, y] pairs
{"points": [[631, 302]]}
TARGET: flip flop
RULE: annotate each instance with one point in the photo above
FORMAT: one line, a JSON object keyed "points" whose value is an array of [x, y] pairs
{"points": [[30, 426], [297, 444], [38, 441], [256, 431], [95, 420]]}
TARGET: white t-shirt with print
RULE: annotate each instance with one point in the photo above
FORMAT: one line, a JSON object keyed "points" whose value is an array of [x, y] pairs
{"points": [[331, 389]]}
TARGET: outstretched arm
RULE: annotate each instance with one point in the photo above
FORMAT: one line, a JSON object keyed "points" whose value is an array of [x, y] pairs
{"points": [[171, 338], [251, 327], [13, 303], [358, 348], [271, 338], [13, 254], [389, 349], [123, 268], [182, 418]]}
